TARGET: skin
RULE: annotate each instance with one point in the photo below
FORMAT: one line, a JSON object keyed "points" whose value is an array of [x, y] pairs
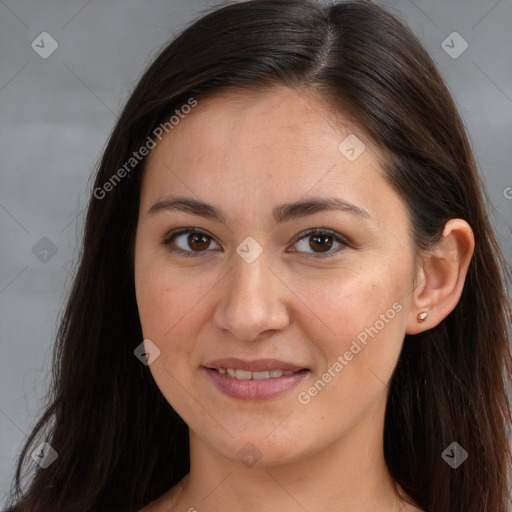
{"points": [[247, 152]]}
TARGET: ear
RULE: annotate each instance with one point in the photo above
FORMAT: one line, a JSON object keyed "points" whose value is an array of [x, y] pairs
{"points": [[440, 277]]}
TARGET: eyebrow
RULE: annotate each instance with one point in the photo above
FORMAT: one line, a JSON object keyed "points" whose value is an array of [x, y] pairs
{"points": [[281, 213]]}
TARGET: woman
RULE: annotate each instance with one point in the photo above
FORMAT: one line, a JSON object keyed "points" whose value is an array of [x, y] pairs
{"points": [[290, 296]]}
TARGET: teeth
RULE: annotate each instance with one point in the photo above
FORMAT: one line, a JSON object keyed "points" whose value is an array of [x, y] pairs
{"points": [[246, 375], [261, 375], [243, 374]]}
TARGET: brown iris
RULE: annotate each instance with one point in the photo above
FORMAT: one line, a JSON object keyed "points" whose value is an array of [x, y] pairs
{"points": [[323, 240], [198, 241]]}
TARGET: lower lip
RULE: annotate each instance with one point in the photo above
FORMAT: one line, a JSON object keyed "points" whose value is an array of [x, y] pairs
{"points": [[255, 389]]}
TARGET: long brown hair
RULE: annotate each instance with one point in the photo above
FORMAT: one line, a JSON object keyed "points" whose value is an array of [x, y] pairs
{"points": [[119, 443]]}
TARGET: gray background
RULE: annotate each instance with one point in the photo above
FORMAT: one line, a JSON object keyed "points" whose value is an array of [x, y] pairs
{"points": [[56, 115]]}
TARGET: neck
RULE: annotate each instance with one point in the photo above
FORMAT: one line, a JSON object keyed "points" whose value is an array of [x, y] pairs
{"points": [[349, 473]]}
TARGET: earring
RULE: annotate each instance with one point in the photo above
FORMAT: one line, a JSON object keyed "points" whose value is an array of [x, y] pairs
{"points": [[422, 316]]}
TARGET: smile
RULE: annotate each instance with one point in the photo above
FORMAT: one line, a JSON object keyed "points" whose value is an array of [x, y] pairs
{"points": [[260, 379], [246, 375]]}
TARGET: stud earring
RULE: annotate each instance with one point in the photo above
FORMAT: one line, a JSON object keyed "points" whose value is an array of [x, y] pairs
{"points": [[422, 316]]}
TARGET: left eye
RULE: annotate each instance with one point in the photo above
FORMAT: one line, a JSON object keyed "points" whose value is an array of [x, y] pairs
{"points": [[322, 239], [199, 241]]}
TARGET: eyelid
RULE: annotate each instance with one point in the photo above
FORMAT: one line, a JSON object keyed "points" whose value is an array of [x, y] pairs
{"points": [[319, 231], [182, 231], [322, 231]]}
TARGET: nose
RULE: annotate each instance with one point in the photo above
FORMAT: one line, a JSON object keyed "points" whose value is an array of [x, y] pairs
{"points": [[253, 300]]}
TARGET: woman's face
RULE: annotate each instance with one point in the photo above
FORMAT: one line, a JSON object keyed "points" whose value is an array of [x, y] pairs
{"points": [[254, 285]]}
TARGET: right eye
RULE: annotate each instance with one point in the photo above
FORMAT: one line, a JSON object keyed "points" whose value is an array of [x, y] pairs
{"points": [[196, 239]]}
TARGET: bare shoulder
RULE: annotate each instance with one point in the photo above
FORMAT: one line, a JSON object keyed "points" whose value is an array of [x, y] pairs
{"points": [[412, 508], [162, 504], [408, 504], [167, 501]]}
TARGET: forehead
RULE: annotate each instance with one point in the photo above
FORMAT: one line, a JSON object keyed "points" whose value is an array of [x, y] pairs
{"points": [[274, 145], [271, 119]]}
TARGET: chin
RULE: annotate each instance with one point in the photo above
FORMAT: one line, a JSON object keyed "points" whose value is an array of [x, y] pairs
{"points": [[257, 449]]}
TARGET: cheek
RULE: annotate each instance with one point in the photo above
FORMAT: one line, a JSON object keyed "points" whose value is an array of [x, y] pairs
{"points": [[171, 304], [346, 302], [359, 321], [165, 301], [164, 297]]}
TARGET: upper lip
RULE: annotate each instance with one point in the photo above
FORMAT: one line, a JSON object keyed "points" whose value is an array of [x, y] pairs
{"points": [[258, 365]]}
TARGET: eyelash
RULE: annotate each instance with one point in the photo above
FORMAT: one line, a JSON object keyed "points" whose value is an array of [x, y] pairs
{"points": [[304, 234]]}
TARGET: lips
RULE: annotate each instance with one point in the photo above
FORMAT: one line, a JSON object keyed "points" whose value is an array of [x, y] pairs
{"points": [[259, 365], [263, 379], [246, 375]]}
